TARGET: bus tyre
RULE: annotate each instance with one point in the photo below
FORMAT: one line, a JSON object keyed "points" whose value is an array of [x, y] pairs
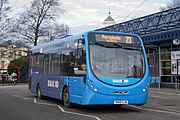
{"points": [[39, 94], [66, 98]]}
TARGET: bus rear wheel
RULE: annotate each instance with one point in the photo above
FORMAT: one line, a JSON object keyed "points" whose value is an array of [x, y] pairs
{"points": [[39, 94], [66, 98]]}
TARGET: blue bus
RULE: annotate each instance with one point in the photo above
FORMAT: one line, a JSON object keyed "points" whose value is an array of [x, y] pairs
{"points": [[94, 68]]}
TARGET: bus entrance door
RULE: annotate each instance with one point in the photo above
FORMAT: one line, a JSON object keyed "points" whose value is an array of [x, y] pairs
{"points": [[76, 87]]}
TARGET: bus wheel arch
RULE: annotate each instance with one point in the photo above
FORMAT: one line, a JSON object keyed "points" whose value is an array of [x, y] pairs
{"points": [[66, 97], [62, 91]]}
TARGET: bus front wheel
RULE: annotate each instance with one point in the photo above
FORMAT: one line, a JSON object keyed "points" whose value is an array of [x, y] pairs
{"points": [[66, 98]]}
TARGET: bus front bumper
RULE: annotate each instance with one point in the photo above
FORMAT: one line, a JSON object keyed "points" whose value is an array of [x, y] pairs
{"points": [[94, 98]]}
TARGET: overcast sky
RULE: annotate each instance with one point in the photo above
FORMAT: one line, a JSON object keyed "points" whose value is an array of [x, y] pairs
{"points": [[83, 15]]}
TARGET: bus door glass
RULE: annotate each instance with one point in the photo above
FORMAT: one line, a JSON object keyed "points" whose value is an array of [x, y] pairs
{"points": [[80, 59], [77, 82]]}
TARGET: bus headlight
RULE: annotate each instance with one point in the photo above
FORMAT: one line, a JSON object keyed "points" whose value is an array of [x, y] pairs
{"points": [[147, 85], [144, 90], [92, 86], [95, 90]]}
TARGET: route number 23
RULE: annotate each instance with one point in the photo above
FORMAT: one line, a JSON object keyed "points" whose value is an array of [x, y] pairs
{"points": [[128, 40]]}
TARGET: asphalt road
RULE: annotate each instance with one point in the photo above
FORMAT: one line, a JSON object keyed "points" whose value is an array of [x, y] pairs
{"points": [[17, 103]]}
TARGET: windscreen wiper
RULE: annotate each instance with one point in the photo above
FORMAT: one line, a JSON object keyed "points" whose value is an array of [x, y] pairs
{"points": [[128, 47], [119, 46], [132, 48], [104, 45], [116, 45]]}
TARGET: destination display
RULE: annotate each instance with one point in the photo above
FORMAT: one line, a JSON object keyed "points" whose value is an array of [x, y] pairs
{"points": [[113, 38]]}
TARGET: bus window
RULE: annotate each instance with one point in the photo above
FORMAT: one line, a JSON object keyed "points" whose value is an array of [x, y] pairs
{"points": [[55, 64], [67, 59], [46, 63], [80, 58], [40, 63], [37, 63]]}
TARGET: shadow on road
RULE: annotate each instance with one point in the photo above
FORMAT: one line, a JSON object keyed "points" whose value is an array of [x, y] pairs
{"points": [[94, 109]]}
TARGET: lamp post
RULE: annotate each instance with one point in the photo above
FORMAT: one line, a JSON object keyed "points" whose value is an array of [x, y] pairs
{"points": [[49, 35], [14, 50]]}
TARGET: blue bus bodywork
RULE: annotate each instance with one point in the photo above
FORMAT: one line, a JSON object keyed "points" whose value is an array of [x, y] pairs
{"points": [[89, 89]]}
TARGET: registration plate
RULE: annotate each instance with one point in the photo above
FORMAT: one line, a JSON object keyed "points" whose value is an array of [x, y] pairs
{"points": [[121, 102]]}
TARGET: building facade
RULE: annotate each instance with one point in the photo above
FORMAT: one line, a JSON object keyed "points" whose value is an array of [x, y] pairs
{"points": [[9, 52]]}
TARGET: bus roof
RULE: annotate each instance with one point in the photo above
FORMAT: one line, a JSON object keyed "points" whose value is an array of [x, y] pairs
{"points": [[63, 39], [68, 38]]}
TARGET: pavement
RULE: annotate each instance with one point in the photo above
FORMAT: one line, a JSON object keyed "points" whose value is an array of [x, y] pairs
{"points": [[164, 99], [12, 84]]}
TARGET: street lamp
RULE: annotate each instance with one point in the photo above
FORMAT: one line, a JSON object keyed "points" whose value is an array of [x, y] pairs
{"points": [[49, 36]]}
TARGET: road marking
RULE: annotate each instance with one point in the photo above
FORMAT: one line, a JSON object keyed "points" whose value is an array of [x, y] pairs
{"points": [[5, 86], [24, 98], [155, 110], [67, 112], [42, 103], [10, 86], [80, 114]]}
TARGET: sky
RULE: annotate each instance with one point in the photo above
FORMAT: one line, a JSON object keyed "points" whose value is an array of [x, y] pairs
{"points": [[85, 15]]}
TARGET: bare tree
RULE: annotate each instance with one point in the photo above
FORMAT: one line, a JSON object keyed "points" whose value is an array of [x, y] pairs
{"points": [[53, 31], [32, 24], [4, 19], [59, 31], [173, 4]]}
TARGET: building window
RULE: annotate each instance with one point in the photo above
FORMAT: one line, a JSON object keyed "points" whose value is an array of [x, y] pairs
{"points": [[166, 63]]}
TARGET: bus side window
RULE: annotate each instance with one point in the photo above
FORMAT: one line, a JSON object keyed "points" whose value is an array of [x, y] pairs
{"points": [[46, 64], [37, 63], [55, 64]]}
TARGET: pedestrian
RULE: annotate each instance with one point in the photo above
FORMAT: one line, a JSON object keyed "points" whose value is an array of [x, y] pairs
{"points": [[14, 77], [3, 78]]}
